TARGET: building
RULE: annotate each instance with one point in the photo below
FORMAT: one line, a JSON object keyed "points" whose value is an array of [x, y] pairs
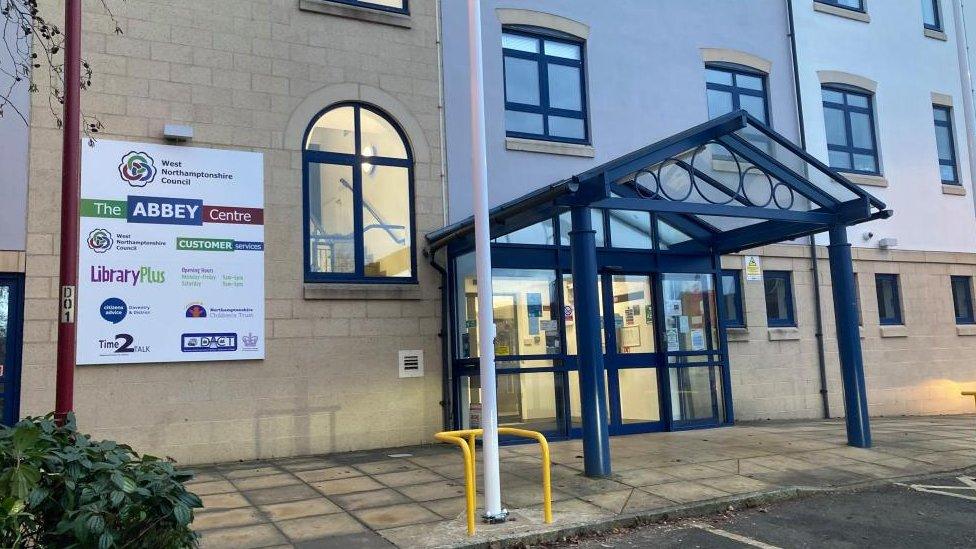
{"points": [[360, 110]]}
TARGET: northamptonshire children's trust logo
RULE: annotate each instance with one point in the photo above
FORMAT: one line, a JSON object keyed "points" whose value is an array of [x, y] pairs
{"points": [[100, 241], [137, 169]]}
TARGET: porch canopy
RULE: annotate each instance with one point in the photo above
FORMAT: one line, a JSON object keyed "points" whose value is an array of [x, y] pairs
{"points": [[724, 186]]}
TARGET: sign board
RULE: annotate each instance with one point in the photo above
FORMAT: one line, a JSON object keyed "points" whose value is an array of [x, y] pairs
{"points": [[171, 254], [753, 267]]}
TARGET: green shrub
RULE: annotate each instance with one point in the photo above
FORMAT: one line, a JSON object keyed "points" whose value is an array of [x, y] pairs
{"points": [[60, 489]]}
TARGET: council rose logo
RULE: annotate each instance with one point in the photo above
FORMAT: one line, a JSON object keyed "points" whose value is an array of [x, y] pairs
{"points": [[100, 241], [137, 169]]}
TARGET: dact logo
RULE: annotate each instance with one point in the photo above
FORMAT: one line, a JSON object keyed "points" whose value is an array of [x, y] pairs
{"points": [[100, 241], [137, 169], [114, 310], [208, 343], [167, 211], [196, 310]]}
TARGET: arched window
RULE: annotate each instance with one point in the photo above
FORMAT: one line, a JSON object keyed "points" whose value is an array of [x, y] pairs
{"points": [[358, 181]]}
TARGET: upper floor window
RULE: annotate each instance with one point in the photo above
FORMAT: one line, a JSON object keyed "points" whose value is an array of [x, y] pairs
{"points": [[397, 6], [946, 144], [849, 122], [889, 298], [358, 181], [732, 88], [545, 85], [931, 15], [846, 4], [732, 299], [962, 299], [779, 298]]}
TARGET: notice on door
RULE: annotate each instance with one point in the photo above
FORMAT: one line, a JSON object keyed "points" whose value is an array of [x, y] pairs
{"points": [[171, 254]]}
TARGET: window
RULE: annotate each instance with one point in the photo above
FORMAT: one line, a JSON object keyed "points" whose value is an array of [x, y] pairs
{"points": [[731, 88], [779, 298], [732, 299], [544, 86], [946, 144], [857, 5], [849, 121], [931, 15], [889, 300], [962, 299], [358, 179], [396, 6]]}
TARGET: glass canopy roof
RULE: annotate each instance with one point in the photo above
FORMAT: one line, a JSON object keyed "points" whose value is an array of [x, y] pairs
{"points": [[729, 184]]}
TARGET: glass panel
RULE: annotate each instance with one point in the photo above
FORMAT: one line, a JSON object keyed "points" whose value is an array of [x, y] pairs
{"points": [[696, 393], [748, 81], [379, 137], [941, 114], [386, 221], [520, 43], [564, 87], [865, 163], [526, 401], [944, 142], [521, 81], [948, 173], [575, 408], [960, 297], [334, 131], [840, 160], [668, 236], [832, 96], [523, 122], [776, 286], [718, 77], [5, 296], [928, 13], [731, 299], [719, 103], [560, 126], [541, 233], [689, 312], [566, 225], [856, 4], [523, 300], [330, 219], [630, 229], [633, 313], [569, 314], [639, 396], [836, 130], [524, 364], [857, 100], [756, 106], [861, 131], [398, 4], [562, 49], [889, 309]]}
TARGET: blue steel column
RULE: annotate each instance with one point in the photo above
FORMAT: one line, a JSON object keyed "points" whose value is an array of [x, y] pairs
{"points": [[592, 384], [849, 339]]}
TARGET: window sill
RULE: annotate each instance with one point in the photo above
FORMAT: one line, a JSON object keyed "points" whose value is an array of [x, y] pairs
{"points": [[548, 147], [784, 334], [866, 180], [841, 12], [936, 34], [957, 190], [898, 330], [966, 329], [367, 292], [356, 12], [737, 333]]}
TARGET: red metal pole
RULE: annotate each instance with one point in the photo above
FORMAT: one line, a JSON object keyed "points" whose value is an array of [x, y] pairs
{"points": [[70, 184]]}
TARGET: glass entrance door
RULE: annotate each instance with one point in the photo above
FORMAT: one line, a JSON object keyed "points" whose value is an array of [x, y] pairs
{"points": [[10, 347]]}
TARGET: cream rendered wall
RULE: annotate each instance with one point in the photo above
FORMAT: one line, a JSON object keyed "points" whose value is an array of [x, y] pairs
{"points": [[251, 74]]}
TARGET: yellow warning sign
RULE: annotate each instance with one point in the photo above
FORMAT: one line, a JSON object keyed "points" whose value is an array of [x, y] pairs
{"points": [[753, 267]]}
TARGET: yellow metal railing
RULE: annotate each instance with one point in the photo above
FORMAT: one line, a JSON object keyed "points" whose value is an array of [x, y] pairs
{"points": [[465, 440]]}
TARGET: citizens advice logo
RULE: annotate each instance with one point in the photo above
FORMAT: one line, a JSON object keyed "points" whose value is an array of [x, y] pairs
{"points": [[137, 169], [100, 241]]}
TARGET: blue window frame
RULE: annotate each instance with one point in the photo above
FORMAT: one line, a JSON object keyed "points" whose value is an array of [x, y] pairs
{"points": [[962, 299], [779, 298], [889, 299], [359, 198], [730, 87], [946, 144], [545, 86], [732, 299], [849, 123], [395, 6], [855, 5], [932, 15]]}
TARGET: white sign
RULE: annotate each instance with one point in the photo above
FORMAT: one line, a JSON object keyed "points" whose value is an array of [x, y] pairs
{"points": [[171, 254], [753, 267]]}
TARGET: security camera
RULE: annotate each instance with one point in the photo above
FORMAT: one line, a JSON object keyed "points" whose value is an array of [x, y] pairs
{"points": [[868, 235]]}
